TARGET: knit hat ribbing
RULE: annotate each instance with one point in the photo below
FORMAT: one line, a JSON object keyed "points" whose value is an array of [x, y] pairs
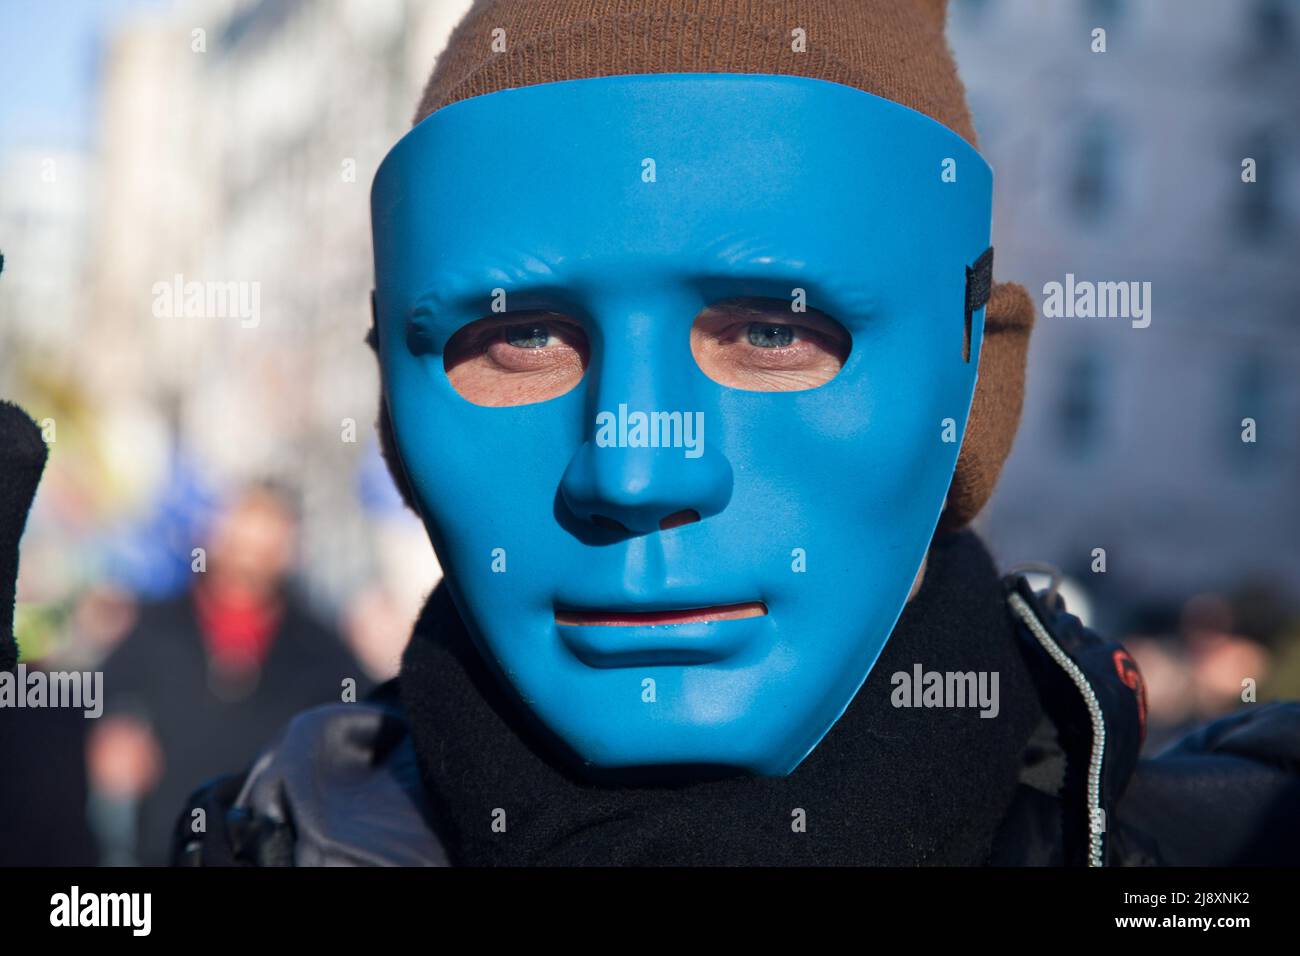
{"points": [[894, 50]]}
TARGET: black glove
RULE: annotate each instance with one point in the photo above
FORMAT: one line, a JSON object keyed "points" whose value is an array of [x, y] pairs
{"points": [[22, 459]]}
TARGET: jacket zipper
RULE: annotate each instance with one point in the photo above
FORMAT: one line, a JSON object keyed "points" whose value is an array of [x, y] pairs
{"points": [[1096, 817]]}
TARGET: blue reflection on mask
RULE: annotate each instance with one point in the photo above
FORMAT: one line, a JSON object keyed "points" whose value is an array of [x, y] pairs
{"points": [[820, 503]]}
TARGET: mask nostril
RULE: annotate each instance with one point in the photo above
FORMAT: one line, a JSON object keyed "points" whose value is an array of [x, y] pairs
{"points": [[609, 524], [679, 518]]}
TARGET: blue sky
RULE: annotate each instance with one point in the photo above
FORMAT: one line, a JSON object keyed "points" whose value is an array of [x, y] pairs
{"points": [[49, 68]]}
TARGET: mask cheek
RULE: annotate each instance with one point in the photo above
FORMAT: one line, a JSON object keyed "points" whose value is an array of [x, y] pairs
{"points": [[420, 426], [907, 446], [490, 517]]}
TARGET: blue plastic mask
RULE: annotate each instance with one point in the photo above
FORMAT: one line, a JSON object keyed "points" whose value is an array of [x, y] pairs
{"points": [[630, 204]]}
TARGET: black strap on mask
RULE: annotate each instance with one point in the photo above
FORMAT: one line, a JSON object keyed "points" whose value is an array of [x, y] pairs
{"points": [[979, 282]]}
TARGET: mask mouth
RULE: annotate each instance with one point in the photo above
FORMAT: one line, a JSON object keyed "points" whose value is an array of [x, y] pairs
{"points": [[658, 618]]}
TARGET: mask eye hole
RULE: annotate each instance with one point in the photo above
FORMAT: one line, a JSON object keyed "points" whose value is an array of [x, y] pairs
{"points": [[516, 358], [761, 345]]}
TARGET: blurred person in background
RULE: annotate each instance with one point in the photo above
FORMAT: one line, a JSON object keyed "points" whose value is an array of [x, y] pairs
{"points": [[1162, 660], [1227, 665], [1284, 678], [204, 678], [1212, 655]]}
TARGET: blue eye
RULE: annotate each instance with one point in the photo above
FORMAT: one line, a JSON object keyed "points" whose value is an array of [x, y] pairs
{"points": [[764, 335], [533, 336]]}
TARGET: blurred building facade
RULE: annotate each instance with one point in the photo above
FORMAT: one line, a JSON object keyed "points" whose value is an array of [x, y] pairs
{"points": [[245, 136], [237, 140], [1126, 165]]}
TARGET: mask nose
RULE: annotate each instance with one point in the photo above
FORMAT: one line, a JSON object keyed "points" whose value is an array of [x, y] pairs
{"points": [[642, 490], [648, 463]]}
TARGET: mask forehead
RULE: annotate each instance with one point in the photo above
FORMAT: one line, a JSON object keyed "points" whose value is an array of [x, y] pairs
{"points": [[645, 180]]}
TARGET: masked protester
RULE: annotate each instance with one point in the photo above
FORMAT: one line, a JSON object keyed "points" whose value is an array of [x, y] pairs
{"points": [[679, 308]]}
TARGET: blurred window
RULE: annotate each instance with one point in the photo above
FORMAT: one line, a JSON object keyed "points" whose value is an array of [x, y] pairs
{"points": [[1250, 395], [1257, 204], [1092, 181], [1270, 26], [1103, 10], [1079, 411]]}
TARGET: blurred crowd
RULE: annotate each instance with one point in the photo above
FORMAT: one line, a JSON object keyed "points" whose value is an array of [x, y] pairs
{"points": [[1213, 655], [198, 677], [215, 530], [201, 672]]}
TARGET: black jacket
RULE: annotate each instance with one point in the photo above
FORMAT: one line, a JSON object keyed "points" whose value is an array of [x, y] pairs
{"points": [[343, 785], [161, 673]]}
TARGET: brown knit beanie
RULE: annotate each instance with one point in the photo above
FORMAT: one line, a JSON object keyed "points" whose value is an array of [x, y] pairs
{"points": [[892, 48]]}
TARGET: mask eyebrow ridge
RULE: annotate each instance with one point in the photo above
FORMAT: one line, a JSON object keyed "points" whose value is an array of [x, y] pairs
{"points": [[470, 290], [828, 290]]}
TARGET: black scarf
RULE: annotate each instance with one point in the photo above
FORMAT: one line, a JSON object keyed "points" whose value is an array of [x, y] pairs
{"points": [[887, 785]]}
